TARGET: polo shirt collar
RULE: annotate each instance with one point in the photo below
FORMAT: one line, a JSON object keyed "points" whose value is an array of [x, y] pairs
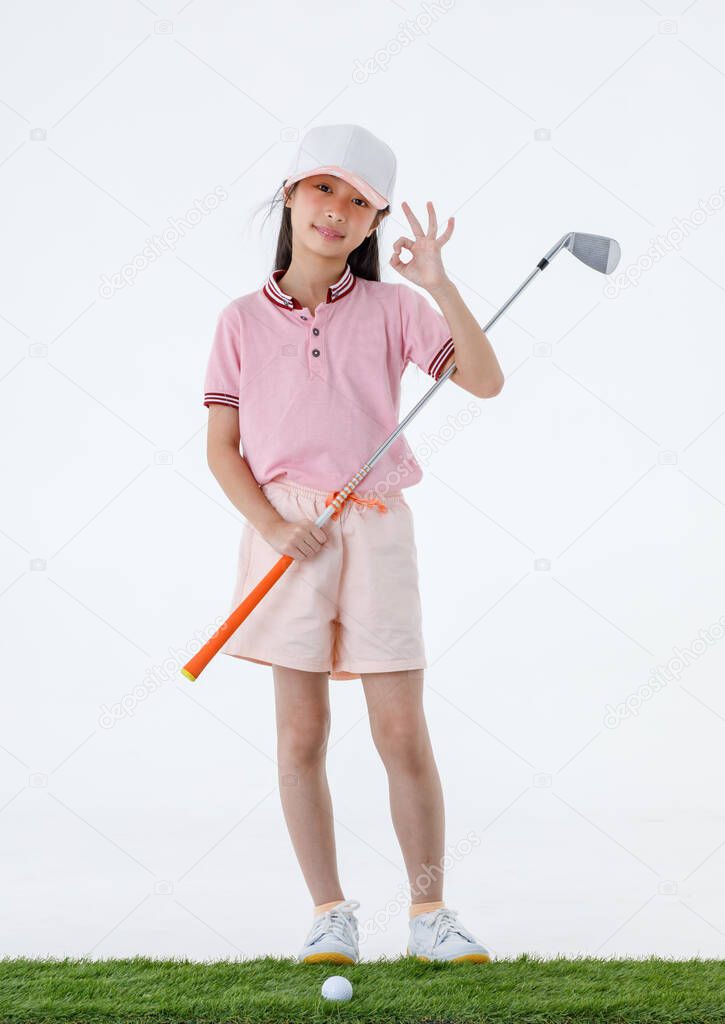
{"points": [[343, 286]]}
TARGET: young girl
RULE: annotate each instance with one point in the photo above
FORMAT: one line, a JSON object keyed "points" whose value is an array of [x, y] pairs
{"points": [[305, 374]]}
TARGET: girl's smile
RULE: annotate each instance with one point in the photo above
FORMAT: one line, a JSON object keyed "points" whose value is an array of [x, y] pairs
{"points": [[328, 233]]}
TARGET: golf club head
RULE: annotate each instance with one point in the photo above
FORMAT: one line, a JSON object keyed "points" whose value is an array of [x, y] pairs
{"points": [[597, 251]]}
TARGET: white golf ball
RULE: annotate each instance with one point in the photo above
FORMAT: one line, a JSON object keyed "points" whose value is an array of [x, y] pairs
{"points": [[337, 988]]}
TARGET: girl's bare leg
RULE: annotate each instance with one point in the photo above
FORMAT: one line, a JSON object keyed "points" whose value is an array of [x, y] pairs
{"points": [[400, 733], [302, 703]]}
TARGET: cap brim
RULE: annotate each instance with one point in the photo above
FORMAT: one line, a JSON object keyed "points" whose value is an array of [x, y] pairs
{"points": [[373, 197]]}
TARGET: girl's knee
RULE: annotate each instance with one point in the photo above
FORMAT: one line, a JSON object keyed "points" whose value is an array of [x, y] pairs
{"points": [[401, 743], [301, 751], [303, 715], [303, 740]]}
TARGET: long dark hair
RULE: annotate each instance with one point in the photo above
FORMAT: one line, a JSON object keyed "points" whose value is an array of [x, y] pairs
{"points": [[363, 261]]}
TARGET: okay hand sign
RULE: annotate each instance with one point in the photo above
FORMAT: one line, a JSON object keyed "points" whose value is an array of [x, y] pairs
{"points": [[426, 266]]}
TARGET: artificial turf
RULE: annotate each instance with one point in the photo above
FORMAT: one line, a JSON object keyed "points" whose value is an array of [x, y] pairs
{"points": [[272, 990]]}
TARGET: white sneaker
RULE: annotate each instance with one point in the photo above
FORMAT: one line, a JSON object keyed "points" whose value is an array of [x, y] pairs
{"points": [[438, 936], [333, 937]]}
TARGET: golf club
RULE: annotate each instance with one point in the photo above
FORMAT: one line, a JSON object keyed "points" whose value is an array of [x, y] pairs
{"points": [[596, 251]]}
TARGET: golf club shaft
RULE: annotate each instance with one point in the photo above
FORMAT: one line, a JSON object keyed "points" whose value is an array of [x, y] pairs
{"points": [[444, 376]]}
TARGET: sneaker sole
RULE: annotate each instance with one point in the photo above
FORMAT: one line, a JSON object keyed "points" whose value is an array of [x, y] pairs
{"points": [[327, 958], [474, 958]]}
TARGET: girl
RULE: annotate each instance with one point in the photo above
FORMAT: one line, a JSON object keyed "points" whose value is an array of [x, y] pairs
{"points": [[305, 374]]}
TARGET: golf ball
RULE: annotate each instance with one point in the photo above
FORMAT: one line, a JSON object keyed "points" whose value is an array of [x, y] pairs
{"points": [[337, 988]]}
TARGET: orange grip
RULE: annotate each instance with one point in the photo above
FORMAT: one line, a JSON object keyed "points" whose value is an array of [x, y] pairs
{"points": [[196, 665]]}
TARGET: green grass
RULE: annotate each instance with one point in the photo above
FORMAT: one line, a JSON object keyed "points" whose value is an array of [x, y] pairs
{"points": [[276, 989]]}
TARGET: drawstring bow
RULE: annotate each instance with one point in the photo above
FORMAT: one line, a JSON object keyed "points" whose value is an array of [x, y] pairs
{"points": [[371, 502]]}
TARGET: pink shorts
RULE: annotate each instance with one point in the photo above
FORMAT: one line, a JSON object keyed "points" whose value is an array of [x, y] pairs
{"points": [[350, 608]]}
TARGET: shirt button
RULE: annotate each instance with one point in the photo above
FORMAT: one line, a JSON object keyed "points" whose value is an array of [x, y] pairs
{"points": [[315, 330], [303, 317], [315, 351]]}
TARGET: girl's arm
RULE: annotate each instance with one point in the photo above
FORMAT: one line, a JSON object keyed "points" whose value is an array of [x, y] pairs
{"points": [[232, 470], [477, 368]]}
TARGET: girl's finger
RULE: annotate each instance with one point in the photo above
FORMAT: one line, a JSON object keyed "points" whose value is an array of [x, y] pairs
{"points": [[414, 222], [448, 232], [407, 242], [432, 221]]}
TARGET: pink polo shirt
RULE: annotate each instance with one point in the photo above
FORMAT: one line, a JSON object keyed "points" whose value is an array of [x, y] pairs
{"points": [[317, 395]]}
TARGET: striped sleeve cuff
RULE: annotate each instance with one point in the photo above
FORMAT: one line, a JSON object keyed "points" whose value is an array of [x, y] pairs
{"points": [[436, 367], [219, 398]]}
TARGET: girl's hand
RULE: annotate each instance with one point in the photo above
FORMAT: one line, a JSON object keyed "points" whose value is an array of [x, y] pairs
{"points": [[426, 266], [300, 539]]}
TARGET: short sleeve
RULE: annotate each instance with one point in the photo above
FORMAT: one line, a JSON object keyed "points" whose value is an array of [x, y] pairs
{"points": [[223, 371], [427, 340]]}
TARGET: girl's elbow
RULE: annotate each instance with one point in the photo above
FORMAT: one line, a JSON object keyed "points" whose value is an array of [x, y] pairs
{"points": [[491, 389]]}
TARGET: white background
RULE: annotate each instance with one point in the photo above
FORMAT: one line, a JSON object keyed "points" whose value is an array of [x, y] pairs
{"points": [[597, 832]]}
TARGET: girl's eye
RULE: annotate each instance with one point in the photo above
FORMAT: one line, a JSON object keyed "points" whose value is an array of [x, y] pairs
{"points": [[321, 184]]}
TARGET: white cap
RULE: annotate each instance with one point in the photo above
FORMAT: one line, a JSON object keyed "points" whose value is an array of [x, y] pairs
{"points": [[349, 152]]}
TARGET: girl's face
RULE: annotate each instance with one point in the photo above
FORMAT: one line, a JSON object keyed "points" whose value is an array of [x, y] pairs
{"points": [[329, 216]]}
